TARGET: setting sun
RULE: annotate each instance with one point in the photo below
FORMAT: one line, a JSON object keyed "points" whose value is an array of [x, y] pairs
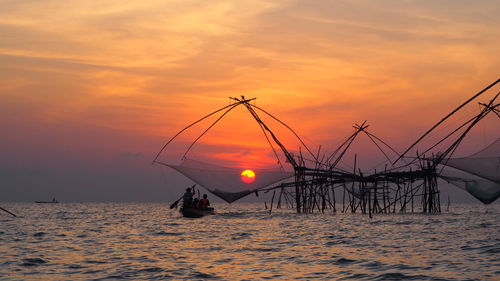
{"points": [[248, 176]]}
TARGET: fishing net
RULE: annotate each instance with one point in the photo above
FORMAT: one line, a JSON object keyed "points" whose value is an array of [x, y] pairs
{"points": [[228, 183], [484, 164], [484, 190]]}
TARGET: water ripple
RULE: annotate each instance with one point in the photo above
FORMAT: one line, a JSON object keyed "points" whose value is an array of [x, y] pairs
{"points": [[33, 261], [102, 241]]}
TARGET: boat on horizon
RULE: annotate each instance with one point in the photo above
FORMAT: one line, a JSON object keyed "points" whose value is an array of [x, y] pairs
{"points": [[53, 201]]}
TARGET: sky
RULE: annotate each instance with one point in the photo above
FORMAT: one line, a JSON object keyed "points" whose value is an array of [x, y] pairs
{"points": [[91, 90]]}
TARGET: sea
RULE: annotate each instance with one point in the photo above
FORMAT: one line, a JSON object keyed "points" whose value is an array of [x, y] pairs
{"points": [[243, 241]]}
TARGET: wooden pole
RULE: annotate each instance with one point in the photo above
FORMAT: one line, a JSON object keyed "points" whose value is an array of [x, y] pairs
{"points": [[7, 211], [272, 200]]}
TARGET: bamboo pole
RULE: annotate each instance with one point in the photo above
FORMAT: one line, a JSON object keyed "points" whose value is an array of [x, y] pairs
{"points": [[7, 211]]}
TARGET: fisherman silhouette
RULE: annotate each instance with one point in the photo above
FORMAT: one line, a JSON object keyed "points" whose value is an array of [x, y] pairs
{"points": [[187, 198], [204, 203]]}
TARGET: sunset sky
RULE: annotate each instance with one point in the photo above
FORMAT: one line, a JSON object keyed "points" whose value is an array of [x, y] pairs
{"points": [[91, 90]]}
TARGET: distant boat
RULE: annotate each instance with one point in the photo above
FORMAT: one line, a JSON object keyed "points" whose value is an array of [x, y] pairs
{"points": [[196, 213], [53, 201]]}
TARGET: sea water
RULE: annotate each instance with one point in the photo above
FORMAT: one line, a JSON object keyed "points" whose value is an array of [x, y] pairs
{"points": [[144, 241]]}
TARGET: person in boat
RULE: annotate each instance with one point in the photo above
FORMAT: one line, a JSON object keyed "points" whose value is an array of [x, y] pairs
{"points": [[196, 201], [204, 203], [187, 198]]}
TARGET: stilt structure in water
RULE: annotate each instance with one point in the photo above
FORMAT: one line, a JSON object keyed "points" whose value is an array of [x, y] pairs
{"points": [[408, 184]]}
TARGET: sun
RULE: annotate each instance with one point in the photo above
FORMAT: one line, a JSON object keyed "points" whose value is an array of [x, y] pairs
{"points": [[247, 176]]}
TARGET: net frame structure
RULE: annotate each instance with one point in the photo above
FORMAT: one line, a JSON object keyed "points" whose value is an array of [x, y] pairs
{"points": [[214, 177], [408, 184]]}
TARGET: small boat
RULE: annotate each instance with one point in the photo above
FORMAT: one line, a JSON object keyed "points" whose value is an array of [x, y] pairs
{"points": [[53, 201], [196, 213]]}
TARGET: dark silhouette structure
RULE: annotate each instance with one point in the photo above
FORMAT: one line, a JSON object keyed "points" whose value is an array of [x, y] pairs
{"points": [[408, 184]]}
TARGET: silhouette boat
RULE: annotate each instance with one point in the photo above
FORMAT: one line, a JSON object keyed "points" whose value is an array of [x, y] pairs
{"points": [[196, 213], [53, 201]]}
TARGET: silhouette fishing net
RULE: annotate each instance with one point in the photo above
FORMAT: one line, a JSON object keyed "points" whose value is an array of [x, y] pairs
{"points": [[227, 182], [484, 190], [486, 165]]}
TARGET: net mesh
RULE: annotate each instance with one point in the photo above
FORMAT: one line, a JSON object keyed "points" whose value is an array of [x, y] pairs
{"points": [[484, 164], [484, 190], [228, 183]]}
